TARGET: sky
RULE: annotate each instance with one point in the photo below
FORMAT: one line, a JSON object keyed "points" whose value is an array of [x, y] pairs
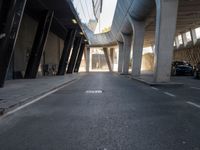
{"points": [[84, 8]]}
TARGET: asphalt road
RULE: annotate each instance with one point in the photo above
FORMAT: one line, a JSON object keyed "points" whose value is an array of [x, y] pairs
{"points": [[127, 115]]}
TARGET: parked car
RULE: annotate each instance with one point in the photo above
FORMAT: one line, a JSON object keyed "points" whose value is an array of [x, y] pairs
{"points": [[197, 71], [182, 68]]}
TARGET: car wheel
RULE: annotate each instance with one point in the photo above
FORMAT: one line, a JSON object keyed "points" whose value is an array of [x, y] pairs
{"points": [[195, 75], [174, 72]]}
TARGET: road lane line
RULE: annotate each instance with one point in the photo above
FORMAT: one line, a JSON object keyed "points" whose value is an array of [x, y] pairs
{"points": [[196, 88], [169, 94], [36, 100], [155, 88], [193, 104]]}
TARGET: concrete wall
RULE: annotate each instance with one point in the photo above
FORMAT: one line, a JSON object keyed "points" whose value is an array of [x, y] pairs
{"points": [[191, 54], [53, 49], [148, 62], [24, 43]]}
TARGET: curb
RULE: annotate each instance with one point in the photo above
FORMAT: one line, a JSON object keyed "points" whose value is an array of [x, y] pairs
{"points": [[170, 84]]}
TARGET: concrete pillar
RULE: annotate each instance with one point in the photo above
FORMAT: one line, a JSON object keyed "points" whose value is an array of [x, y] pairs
{"points": [[120, 60], [10, 20], [112, 50], [79, 59], [138, 42], [177, 42], [184, 37], [74, 56], [39, 44], [127, 39], [108, 60], [164, 40], [69, 41], [194, 36], [88, 59]]}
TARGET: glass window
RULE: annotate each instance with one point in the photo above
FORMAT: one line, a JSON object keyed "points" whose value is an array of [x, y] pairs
{"points": [[180, 39], [188, 36], [197, 30]]}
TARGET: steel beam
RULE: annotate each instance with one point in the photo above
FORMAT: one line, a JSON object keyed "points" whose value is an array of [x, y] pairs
{"points": [[75, 52], [11, 13], [39, 44], [66, 51], [80, 55]]}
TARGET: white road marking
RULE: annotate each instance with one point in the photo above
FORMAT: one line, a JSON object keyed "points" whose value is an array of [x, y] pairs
{"points": [[94, 91], [36, 100], [196, 88], [193, 104], [169, 94], [155, 88]]}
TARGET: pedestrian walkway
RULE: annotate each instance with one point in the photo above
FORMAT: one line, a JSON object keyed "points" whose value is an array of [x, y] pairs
{"points": [[18, 92]]}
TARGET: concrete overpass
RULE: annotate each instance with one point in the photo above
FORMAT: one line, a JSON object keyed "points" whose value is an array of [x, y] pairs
{"points": [[143, 23]]}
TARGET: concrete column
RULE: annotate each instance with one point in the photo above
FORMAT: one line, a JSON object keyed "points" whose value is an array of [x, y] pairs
{"points": [[112, 50], [39, 44], [108, 60], [138, 42], [164, 40], [69, 41], [10, 20], [74, 56], [194, 36], [120, 60], [177, 42], [88, 59], [184, 37], [127, 39]]}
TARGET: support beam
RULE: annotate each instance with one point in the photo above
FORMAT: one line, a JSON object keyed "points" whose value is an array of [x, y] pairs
{"points": [[79, 59], [75, 52], [11, 13], [88, 59], [39, 44], [127, 39], [120, 57], [138, 42], [194, 36], [164, 40], [69, 41], [177, 42], [184, 37], [112, 50], [108, 60]]}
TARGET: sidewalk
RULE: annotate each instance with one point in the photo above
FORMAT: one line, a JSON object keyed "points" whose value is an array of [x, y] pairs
{"points": [[18, 92]]}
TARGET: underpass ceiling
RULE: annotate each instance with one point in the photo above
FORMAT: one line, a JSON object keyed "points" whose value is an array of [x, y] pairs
{"points": [[188, 18], [64, 13]]}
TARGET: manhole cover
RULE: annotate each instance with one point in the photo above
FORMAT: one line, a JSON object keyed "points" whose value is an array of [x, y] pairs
{"points": [[93, 91]]}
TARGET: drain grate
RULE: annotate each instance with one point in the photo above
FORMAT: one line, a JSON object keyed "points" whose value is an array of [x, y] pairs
{"points": [[94, 92]]}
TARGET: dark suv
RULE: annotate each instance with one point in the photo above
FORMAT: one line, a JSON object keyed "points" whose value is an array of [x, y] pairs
{"points": [[197, 71], [181, 68]]}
